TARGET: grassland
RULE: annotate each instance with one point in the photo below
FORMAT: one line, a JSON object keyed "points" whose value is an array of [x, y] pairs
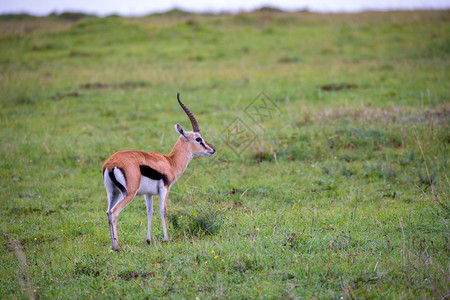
{"points": [[342, 192]]}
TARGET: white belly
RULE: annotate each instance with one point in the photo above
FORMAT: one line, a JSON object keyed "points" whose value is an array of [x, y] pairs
{"points": [[149, 186]]}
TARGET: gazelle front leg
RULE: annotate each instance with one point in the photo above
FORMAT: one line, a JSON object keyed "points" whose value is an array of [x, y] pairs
{"points": [[149, 205], [163, 193]]}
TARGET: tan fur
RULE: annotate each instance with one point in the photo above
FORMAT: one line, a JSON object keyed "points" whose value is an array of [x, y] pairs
{"points": [[172, 165]]}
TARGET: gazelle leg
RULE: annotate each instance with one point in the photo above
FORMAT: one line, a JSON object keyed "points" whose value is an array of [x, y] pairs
{"points": [[149, 205], [112, 218], [113, 230], [113, 197], [163, 192]]}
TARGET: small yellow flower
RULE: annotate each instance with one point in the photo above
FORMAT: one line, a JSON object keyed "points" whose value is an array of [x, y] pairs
{"points": [[216, 257], [206, 262], [212, 252], [257, 229], [35, 239], [254, 240], [222, 260]]}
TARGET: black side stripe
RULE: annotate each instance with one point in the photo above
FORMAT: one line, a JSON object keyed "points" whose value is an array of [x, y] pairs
{"points": [[153, 174], [118, 184]]}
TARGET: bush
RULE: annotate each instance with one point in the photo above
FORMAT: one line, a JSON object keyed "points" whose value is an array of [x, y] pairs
{"points": [[199, 220]]}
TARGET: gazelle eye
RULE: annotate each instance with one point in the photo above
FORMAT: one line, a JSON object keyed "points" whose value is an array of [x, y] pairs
{"points": [[198, 139]]}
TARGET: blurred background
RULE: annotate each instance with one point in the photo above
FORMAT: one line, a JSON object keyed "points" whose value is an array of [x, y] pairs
{"points": [[140, 8]]}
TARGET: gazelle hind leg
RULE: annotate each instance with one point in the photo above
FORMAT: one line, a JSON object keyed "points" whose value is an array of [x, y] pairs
{"points": [[113, 198], [114, 214], [163, 192], [126, 191], [149, 205], [113, 230]]}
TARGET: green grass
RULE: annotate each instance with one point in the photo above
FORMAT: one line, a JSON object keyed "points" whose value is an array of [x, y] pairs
{"points": [[343, 193]]}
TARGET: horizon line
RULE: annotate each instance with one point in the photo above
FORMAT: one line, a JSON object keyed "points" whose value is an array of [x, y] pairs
{"points": [[261, 8]]}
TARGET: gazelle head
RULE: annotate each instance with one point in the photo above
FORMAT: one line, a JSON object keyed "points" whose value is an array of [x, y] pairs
{"points": [[194, 140]]}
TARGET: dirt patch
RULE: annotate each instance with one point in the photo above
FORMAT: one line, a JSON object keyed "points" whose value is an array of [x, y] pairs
{"points": [[126, 85], [237, 205], [261, 156], [74, 53], [292, 242], [392, 115], [130, 275], [59, 97], [334, 87], [287, 60], [43, 47]]}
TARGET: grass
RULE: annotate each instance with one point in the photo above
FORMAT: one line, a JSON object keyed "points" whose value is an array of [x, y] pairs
{"points": [[341, 192]]}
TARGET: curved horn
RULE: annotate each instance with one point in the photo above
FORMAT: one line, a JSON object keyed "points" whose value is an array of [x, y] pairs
{"points": [[189, 114]]}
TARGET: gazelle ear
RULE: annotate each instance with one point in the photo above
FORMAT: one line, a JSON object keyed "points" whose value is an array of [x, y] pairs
{"points": [[181, 132]]}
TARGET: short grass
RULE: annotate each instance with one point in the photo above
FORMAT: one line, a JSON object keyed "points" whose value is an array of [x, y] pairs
{"points": [[341, 192]]}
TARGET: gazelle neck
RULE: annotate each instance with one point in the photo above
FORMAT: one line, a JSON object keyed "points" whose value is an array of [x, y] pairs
{"points": [[180, 157]]}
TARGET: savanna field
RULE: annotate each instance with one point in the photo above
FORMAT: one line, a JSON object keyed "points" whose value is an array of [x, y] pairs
{"points": [[330, 178]]}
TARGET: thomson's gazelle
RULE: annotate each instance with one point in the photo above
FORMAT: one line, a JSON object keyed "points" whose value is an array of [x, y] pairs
{"points": [[130, 173]]}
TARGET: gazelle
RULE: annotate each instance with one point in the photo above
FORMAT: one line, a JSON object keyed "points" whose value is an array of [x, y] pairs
{"points": [[130, 173]]}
